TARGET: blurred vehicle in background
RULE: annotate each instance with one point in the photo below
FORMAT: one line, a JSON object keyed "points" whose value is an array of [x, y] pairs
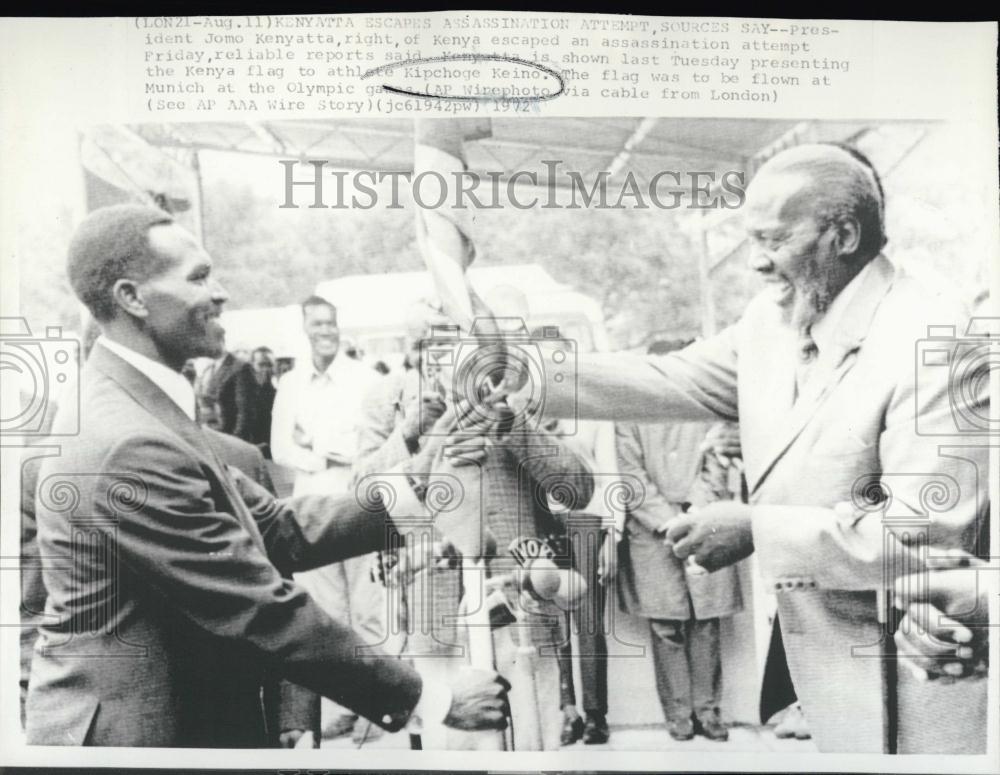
{"points": [[372, 312]]}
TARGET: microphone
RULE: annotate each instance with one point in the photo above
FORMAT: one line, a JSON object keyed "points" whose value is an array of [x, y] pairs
{"points": [[541, 578]]}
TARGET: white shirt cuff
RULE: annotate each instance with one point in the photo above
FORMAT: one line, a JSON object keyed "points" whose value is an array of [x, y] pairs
{"points": [[432, 707]]}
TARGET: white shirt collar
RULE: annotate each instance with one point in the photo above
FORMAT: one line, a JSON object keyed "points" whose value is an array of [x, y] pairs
{"points": [[338, 365], [174, 384], [824, 330]]}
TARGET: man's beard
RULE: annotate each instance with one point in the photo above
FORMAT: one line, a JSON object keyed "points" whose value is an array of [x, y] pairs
{"points": [[812, 293], [190, 338]]}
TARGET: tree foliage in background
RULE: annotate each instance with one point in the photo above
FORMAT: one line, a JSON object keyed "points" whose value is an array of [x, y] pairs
{"points": [[641, 265], [40, 257]]}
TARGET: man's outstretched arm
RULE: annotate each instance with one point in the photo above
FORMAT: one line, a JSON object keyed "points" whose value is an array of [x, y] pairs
{"points": [[310, 531], [697, 383], [205, 564]]}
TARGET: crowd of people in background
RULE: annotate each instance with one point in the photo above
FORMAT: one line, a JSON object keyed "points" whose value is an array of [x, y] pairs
{"points": [[236, 392], [244, 597]]}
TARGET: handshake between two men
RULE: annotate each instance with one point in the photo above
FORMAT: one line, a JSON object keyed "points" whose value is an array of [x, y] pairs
{"points": [[439, 436], [491, 550], [449, 440]]}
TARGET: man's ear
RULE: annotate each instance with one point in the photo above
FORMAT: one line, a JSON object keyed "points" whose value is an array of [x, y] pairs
{"points": [[848, 236], [128, 297]]}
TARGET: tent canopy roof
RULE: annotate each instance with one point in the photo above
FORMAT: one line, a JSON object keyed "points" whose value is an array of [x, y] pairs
{"points": [[585, 145]]}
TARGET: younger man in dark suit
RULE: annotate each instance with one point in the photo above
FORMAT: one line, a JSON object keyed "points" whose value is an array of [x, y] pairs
{"points": [[164, 572]]}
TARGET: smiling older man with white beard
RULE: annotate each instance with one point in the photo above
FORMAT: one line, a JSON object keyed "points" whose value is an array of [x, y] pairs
{"points": [[821, 375]]}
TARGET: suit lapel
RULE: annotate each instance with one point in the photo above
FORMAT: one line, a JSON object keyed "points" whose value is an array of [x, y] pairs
{"points": [[145, 392], [804, 410], [831, 368], [142, 389]]}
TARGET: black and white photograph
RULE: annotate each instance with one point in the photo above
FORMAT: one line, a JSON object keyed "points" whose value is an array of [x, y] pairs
{"points": [[459, 433]]}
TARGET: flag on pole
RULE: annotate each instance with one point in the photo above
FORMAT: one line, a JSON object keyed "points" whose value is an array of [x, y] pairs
{"points": [[443, 233]]}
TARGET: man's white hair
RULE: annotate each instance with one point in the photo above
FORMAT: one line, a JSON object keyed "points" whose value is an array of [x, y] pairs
{"points": [[842, 184]]}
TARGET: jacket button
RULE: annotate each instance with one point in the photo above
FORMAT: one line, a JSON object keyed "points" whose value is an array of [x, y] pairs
{"points": [[386, 719], [777, 585], [789, 584]]}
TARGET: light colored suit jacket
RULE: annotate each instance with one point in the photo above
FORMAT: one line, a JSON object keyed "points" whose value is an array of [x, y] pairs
{"points": [[652, 582], [839, 479]]}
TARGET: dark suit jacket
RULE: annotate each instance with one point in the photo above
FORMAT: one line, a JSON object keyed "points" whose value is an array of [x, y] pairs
{"points": [[166, 601], [32, 608], [262, 414], [286, 705], [233, 387], [242, 455]]}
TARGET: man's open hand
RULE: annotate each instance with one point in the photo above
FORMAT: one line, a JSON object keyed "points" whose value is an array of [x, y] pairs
{"points": [[462, 450], [944, 630], [607, 564], [421, 415], [716, 535], [420, 464], [723, 441], [478, 701], [397, 569], [458, 421]]}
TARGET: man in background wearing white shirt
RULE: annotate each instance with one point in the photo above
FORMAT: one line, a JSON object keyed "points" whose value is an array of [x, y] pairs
{"points": [[314, 430]]}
